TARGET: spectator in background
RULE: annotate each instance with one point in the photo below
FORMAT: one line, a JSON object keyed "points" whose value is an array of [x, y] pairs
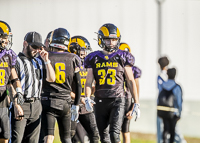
{"points": [[171, 106], [163, 77]]}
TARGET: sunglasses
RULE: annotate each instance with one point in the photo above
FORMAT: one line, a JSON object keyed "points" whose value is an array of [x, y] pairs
{"points": [[36, 47]]}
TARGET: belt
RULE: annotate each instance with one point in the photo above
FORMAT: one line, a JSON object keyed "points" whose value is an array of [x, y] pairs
{"points": [[163, 108], [30, 100], [52, 97]]}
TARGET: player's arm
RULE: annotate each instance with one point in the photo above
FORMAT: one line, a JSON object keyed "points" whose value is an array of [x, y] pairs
{"points": [[89, 82], [82, 99], [72, 94], [16, 96], [77, 80], [50, 73], [131, 83], [75, 107], [133, 89], [14, 79], [88, 90], [93, 87], [138, 86]]}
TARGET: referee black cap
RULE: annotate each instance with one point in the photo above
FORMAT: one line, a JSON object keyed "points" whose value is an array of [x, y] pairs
{"points": [[34, 38]]}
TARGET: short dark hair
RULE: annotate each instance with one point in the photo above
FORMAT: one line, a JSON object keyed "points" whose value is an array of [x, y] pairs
{"points": [[163, 62], [171, 73]]}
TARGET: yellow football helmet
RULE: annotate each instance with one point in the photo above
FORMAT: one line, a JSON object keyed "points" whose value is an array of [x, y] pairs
{"points": [[5, 33], [108, 31], [79, 43], [125, 47]]}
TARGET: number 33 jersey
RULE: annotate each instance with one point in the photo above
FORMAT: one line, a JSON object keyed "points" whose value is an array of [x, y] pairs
{"points": [[109, 72]]}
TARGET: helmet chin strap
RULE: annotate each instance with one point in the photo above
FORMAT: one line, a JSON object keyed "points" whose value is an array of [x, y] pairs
{"points": [[2, 48], [108, 49], [7, 47]]}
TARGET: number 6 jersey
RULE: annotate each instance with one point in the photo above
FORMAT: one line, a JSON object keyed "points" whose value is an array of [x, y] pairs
{"points": [[64, 65], [109, 73]]}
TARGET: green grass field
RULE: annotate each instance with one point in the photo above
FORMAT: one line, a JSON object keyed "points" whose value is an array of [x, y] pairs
{"points": [[137, 138]]}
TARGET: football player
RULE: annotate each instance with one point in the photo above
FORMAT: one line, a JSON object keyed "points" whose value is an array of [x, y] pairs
{"points": [[109, 68], [47, 41], [7, 72], [80, 46], [56, 99], [128, 105]]}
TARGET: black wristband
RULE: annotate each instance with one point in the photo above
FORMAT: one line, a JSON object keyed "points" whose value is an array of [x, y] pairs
{"points": [[14, 80], [77, 80]]}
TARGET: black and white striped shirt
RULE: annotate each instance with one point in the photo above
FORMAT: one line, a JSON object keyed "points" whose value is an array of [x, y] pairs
{"points": [[30, 74]]}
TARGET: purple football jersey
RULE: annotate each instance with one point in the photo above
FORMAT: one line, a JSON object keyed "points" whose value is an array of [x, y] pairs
{"points": [[137, 74], [108, 71], [7, 62]]}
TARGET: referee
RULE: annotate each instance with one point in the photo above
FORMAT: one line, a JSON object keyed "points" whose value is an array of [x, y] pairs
{"points": [[30, 72]]}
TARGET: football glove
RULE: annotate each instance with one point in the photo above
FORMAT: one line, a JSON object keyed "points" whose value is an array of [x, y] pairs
{"points": [[136, 111], [74, 112], [88, 103], [20, 98]]}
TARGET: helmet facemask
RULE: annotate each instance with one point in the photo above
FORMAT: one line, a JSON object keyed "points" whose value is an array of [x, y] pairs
{"points": [[110, 44], [5, 41], [82, 52], [80, 46], [5, 36], [109, 31]]}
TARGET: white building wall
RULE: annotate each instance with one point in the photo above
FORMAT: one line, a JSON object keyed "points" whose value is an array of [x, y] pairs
{"points": [[137, 22]]}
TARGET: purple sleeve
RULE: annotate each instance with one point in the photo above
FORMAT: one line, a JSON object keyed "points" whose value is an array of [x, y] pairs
{"points": [[87, 63], [14, 57], [137, 72], [130, 59]]}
